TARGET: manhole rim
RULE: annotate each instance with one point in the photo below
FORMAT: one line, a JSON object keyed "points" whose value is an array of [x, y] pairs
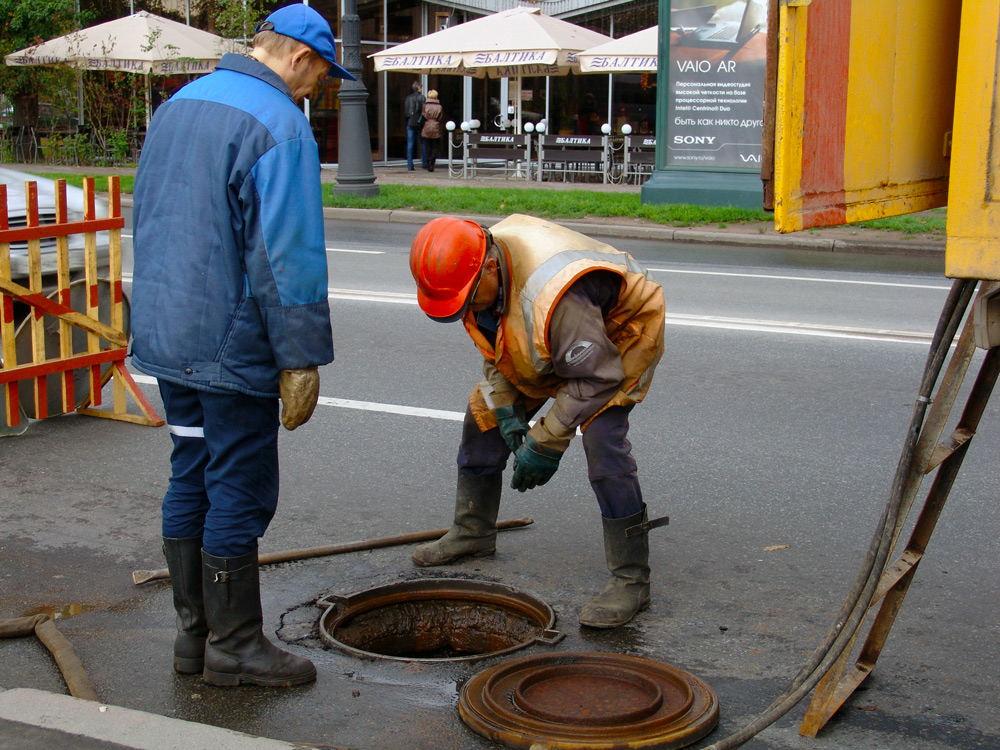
{"points": [[340, 608]]}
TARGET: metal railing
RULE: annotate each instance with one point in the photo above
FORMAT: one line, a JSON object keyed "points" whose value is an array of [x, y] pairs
{"points": [[627, 159]]}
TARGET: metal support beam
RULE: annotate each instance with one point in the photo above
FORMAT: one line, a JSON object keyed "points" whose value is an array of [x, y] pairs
{"points": [[836, 686]]}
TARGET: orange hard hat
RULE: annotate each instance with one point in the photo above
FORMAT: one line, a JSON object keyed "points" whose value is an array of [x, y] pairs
{"points": [[445, 259]]}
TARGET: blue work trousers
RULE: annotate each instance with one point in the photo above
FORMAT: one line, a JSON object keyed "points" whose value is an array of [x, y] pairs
{"points": [[610, 467], [413, 139], [224, 468]]}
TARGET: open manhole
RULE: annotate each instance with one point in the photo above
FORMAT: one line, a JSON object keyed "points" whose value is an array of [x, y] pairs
{"points": [[597, 701], [436, 620]]}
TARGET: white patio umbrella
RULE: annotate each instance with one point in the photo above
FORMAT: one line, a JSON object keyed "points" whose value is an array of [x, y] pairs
{"points": [[141, 43], [635, 53], [511, 44]]}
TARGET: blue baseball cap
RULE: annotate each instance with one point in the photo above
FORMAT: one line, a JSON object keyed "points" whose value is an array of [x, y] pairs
{"points": [[309, 27]]}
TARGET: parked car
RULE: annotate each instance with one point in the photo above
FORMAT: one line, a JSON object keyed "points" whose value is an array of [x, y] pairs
{"points": [[24, 346], [6, 112], [17, 216]]}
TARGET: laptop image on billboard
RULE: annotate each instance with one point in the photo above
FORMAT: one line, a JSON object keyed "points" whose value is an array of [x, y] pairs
{"points": [[729, 33], [689, 19]]}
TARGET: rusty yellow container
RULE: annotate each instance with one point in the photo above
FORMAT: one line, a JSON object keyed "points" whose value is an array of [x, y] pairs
{"points": [[973, 249], [863, 108]]}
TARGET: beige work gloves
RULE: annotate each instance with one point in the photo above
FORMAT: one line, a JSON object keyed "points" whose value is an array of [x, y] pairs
{"points": [[299, 393]]}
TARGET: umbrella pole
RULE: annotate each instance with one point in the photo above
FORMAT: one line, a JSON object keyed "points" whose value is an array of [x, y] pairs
{"points": [[149, 100], [548, 97], [517, 105], [79, 98]]}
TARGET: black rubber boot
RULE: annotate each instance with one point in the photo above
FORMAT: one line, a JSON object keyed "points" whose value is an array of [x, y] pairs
{"points": [[627, 590], [237, 650], [474, 532], [184, 563]]}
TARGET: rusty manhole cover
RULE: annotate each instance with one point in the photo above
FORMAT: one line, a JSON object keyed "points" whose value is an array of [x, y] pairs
{"points": [[588, 700], [436, 620]]}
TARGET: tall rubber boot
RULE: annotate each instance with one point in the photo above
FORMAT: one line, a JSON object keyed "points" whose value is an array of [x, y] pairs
{"points": [[184, 563], [237, 650], [627, 591], [474, 532]]}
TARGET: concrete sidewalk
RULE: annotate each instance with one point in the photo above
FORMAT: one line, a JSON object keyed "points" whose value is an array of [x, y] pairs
{"points": [[36, 718]]}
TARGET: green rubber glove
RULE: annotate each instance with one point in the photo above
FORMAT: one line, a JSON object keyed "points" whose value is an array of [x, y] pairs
{"points": [[534, 464], [513, 425]]}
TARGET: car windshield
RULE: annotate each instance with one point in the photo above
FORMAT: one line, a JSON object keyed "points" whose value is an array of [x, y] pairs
{"points": [[17, 217]]}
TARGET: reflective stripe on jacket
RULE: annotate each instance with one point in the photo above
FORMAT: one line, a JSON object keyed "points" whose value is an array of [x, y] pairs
{"points": [[543, 260]]}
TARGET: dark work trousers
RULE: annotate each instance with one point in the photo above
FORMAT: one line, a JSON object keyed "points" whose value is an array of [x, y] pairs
{"points": [[610, 466], [413, 140], [224, 468], [430, 152]]}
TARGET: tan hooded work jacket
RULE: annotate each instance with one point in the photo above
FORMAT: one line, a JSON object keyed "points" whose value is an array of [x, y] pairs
{"points": [[543, 260]]}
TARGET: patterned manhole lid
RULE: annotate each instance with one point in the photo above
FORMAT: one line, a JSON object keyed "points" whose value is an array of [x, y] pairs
{"points": [[588, 700]]}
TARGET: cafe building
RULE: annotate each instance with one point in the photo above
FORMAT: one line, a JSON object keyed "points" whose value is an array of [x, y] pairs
{"points": [[571, 104]]}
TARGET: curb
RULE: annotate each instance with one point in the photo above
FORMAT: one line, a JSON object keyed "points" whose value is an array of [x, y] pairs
{"points": [[656, 232], [661, 233], [65, 718]]}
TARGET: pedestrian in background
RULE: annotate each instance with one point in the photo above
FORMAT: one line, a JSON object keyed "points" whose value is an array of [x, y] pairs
{"points": [[431, 131], [230, 312], [413, 110]]}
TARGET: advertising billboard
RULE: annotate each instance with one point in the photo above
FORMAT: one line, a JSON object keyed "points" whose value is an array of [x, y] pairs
{"points": [[716, 85]]}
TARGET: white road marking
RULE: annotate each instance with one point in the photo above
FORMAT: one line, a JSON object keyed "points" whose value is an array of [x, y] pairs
{"points": [[799, 329], [346, 403], [361, 252], [800, 278], [692, 321], [409, 411], [705, 321], [398, 298], [329, 249]]}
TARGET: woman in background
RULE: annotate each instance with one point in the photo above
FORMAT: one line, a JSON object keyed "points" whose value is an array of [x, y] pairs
{"points": [[431, 131]]}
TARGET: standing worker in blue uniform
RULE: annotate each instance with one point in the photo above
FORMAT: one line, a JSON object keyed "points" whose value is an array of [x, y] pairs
{"points": [[230, 312], [558, 315]]}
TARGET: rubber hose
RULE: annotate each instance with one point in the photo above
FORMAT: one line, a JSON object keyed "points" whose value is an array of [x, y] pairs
{"points": [[62, 651], [948, 322], [851, 615]]}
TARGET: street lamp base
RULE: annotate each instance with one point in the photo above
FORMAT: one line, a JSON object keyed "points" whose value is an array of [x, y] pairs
{"points": [[361, 189]]}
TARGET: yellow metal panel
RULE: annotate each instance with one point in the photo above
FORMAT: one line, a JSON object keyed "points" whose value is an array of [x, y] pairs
{"points": [[869, 97], [866, 87], [973, 249], [899, 115], [788, 112], [918, 132]]}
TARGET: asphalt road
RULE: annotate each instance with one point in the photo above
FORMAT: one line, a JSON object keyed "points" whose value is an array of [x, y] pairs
{"points": [[770, 438]]}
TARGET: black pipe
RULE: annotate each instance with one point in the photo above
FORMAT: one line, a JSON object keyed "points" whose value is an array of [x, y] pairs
{"points": [[855, 607]]}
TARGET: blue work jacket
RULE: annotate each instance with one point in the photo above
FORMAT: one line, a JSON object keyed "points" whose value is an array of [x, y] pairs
{"points": [[230, 277]]}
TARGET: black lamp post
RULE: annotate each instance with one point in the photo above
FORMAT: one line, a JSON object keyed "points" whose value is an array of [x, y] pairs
{"points": [[354, 173]]}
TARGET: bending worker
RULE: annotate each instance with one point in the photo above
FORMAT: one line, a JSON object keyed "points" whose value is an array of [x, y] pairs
{"points": [[229, 313], [555, 315]]}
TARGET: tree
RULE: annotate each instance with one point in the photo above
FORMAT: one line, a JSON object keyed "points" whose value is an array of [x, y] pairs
{"points": [[24, 23], [233, 19]]}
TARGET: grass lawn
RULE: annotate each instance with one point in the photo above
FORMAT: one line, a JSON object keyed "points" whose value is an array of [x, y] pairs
{"points": [[567, 204]]}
